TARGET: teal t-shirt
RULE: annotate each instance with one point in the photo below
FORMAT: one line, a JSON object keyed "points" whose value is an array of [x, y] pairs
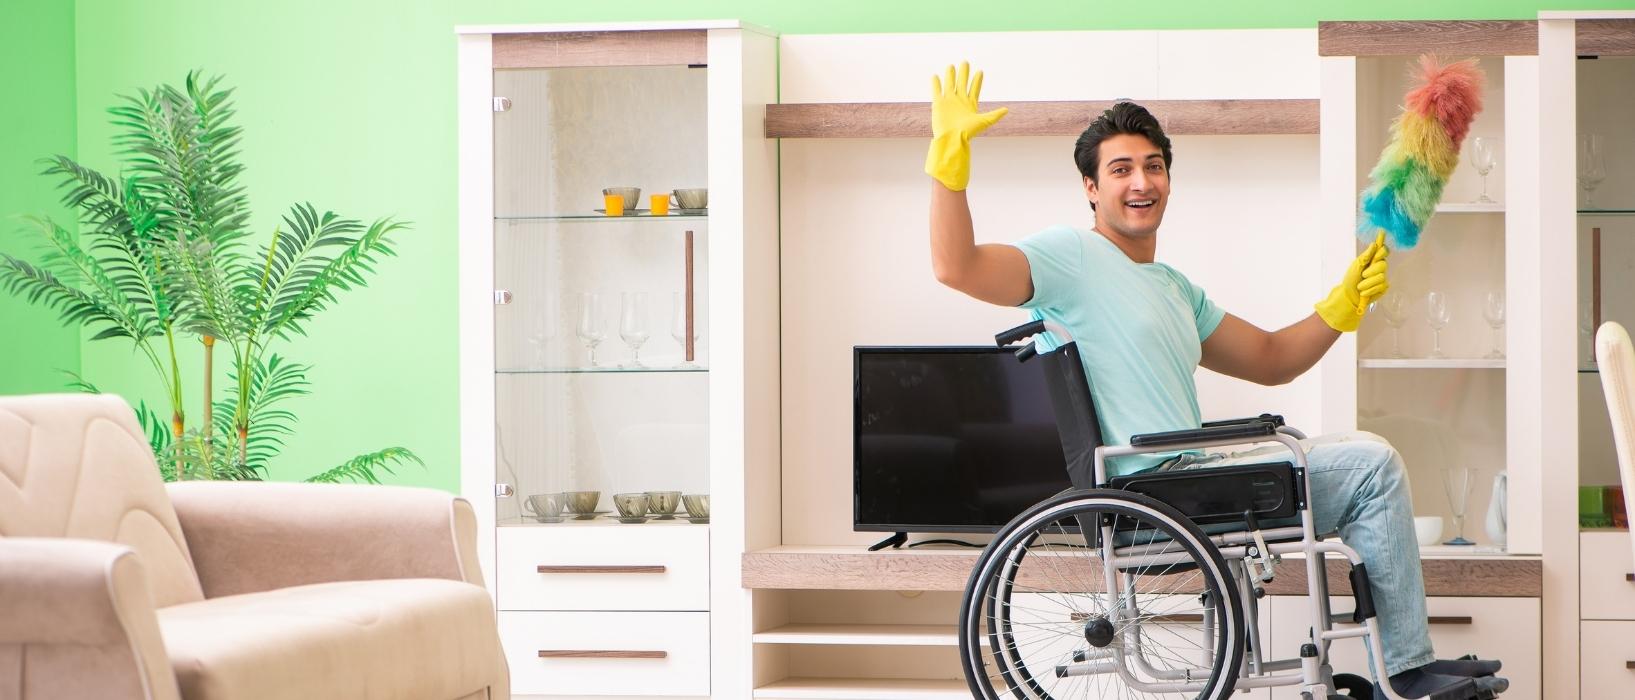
{"points": [[1140, 329]]}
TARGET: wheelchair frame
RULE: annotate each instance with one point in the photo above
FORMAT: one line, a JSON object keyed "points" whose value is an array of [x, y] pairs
{"points": [[1243, 551]]}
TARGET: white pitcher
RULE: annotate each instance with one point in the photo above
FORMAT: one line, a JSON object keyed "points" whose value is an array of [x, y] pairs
{"points": [[1497, 519]]}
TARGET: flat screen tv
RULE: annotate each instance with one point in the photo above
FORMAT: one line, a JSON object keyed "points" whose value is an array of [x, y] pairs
{"points": [[949, 439]]}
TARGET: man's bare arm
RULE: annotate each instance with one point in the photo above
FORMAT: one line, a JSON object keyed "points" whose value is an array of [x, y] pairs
{"points": [[1239, 349], [994, 273]]}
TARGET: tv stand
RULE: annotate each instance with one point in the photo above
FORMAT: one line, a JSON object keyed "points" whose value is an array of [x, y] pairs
{"points": [[895, 541]]}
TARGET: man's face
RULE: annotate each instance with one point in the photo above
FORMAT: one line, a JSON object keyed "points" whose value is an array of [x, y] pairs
{"points": [[1133, 188]]}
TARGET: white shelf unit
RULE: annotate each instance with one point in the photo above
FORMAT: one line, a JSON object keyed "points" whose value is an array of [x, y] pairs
{"points": [[711, 80], [1441, 414], [1429, 363]]}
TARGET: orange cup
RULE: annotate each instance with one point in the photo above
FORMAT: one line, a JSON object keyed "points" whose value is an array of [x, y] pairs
{"points": [[613, 204], [660, 204]]}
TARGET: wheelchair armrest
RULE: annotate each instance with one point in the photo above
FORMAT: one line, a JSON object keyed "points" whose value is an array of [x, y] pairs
{"points": [[1272, 418], [1247, 429]]}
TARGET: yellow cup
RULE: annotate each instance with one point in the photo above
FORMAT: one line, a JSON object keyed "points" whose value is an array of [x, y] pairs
{"points": [[613, 204], [660, 204]]}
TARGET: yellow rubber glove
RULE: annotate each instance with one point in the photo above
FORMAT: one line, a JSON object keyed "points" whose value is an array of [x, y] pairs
{"points": [[954, 121], [1363, 283]]}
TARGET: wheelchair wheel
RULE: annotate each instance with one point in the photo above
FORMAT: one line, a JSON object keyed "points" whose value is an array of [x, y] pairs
{"points": [[1101, 594]]}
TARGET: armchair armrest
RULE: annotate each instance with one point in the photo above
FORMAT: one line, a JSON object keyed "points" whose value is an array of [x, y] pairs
{"points": [[74, 606], [256, 536]]}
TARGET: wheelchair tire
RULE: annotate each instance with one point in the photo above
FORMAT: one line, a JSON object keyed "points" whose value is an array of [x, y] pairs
{"points": [[1043, 640]]}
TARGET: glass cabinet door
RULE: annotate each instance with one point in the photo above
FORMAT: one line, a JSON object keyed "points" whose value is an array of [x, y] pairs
{"points": [[601, 316]]}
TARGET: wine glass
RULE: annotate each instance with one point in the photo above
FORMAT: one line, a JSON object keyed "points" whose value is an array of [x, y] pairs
{"points": [[1456, 483], [1493, 313], [633, 323], [1439, 316], [591, 330], [1395, 311], [678, 324], [1592, 166], [1482, 158]]}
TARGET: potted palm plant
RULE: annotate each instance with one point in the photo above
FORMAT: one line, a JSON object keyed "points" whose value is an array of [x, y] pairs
{"points": [[163, 257]]}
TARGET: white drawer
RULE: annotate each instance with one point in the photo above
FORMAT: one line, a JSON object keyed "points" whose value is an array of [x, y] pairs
{"points": [[1604, 564], [1604, 666], [607, 653], [656, 566], [1506, 629]]}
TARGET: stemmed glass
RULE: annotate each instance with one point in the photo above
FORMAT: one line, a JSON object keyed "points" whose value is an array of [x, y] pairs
{"points": [[1493, 313], [1456, 483], [1482, 158], [1592, 166], [633, 323], [678, 324], [1395, 310], [1438, 315], [591, 330]]}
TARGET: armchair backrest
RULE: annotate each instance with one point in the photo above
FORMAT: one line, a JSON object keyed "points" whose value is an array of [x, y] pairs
{"points": [[77, 465], [1616, 357]]}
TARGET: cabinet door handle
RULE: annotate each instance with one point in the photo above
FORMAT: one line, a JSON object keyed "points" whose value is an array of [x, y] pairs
{"points": [[1629, 577], [1629, 665], [599, 569], [1449, 620], [600, 654]]}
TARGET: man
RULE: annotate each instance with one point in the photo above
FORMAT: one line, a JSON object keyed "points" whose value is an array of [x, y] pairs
{"points": [[1143, 328]]}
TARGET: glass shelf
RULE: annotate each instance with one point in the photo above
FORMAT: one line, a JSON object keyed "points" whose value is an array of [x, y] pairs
{"points": [[604, 217], [1430, 363], [695, 369], [1470, 208]]}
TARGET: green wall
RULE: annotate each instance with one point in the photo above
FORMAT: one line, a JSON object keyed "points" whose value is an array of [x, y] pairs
{"points": [[36, 121], [349, 104]]}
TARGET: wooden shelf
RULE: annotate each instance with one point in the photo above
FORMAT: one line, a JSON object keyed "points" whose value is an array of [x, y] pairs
{"points": [[854, 568], [865, 689], [864, 635], [913, 119], [1409, 38]]}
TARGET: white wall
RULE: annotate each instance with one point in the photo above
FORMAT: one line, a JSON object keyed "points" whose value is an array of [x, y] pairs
{"points": [[856, 271]]}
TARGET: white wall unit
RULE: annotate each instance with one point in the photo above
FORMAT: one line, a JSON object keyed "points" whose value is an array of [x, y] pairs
{"points": [[1492, 628], [856, 263], [540, 416]]}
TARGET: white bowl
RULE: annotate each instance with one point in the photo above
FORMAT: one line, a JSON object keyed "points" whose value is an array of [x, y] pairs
{"points": [[1428, 529]]}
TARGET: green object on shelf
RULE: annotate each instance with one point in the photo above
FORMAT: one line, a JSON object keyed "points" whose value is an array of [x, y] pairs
{"points": [[1592, 502], [1594, 521]]}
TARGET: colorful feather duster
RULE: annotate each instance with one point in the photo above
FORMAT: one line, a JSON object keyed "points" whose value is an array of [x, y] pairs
{"points": [[1405, 186]]}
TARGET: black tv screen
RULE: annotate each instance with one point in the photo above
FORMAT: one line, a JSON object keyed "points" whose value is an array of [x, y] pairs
{"points": [[949, 439]]}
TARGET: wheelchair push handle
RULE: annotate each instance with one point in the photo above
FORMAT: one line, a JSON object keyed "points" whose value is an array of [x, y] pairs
{"points": [[1010, 336]]}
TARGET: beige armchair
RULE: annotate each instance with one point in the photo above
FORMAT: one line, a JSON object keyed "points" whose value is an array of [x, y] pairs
{"points": [[116, 585], [1616, 357]]}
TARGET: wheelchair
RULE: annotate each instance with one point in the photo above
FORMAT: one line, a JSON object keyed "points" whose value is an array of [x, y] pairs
{"points": [[1148, 585]]}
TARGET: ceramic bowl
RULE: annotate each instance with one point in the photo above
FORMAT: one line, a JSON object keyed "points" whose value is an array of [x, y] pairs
{"points": [[1428, 529]]}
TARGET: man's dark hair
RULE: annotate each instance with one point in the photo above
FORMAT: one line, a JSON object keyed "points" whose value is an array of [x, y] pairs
{"points": [[1123, 118]]}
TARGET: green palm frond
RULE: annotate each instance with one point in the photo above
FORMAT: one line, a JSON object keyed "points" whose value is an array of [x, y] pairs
{"points": [[301, 281], [361, 469], [272, 382], [104, 308]]}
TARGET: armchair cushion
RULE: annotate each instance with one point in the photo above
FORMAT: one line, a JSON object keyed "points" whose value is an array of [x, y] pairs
{"points": [[391, 639]]}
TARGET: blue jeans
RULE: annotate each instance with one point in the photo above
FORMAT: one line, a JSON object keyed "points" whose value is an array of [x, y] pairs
{"points": [[1360, 490]]}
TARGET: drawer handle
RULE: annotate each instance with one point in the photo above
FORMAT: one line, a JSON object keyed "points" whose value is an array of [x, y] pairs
{"points": [[1629, 665], [1629, 577], [1450, 620], [600, 654], [599, 569]]}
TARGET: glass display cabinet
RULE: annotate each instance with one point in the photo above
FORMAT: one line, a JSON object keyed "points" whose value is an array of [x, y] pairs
{"points": [[618, 342]]}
